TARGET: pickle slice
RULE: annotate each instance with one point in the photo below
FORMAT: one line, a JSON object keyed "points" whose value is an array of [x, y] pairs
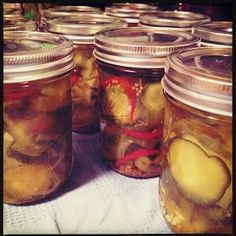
{"points": [[117, 103], [89, 70], [201, 178], [26, 182], [8, 141], [24, 133], [227, 197], [153, 98], [52, 97]]}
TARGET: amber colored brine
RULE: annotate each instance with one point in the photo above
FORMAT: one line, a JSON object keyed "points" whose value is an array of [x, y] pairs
{"points": [[36, 139], [132, 110], [196, 181], [37, 110], [84, 91], [130, 69]]}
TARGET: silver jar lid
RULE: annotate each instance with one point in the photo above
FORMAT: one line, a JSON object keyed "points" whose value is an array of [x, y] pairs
{"points": [[18, 23], [30, 56], [81, 28], [176, 20], [136, 6], [140, 47], [130, 12], [215, 32], [69, 10], [201, 78]]}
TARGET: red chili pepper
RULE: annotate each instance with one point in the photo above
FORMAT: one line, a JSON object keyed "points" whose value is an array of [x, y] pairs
{"points": [[74, 78], [127, 85], [19, 95], [136, 154], [150, 135]]}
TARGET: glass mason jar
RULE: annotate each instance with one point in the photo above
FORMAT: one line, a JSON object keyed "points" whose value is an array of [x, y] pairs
{"points": [[173, 20], [214, 33], [37, 148], [130, 68], [196, 181], [18, 23], [59, 11], [130, 11], [84, 82]]}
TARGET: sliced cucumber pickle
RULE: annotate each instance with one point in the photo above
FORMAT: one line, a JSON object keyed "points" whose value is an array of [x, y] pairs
{"points": [[153, 98], [200, 178], [117, 103]]}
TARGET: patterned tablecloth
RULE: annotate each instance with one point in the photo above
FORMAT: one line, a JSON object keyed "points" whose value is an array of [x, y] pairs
{"points": [[95, 200]]}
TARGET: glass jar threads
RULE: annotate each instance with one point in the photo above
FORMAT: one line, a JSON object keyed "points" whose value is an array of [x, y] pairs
{"points": [[196, 181], [130, 11], [81, 29], [173, 20], [214, 33], [130, 68], [37, 148]]}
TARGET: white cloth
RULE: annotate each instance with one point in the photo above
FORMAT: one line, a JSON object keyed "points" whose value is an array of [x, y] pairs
{"points": [[94, 200]]}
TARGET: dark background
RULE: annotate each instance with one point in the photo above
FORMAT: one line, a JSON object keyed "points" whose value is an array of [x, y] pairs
{"points": [[217, 10]]}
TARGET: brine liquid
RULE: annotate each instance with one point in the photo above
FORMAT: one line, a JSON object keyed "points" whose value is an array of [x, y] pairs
{"points": [[36, 139], [132, 110], [196, 180], [84, 88]]}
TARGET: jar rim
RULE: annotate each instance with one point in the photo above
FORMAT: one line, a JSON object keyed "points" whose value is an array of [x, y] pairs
{"points": [[180, 19], [30, 56], [81, 28], [18, 23], [68, 10], [219, 32], [139, 46], [201, 78]]}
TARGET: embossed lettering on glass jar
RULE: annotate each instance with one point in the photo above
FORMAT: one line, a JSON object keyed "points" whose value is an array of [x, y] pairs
{"points": [[130, 67], [81, 29], [18, 23], [37, 148], [173, 20], [63, 11], [196, 180], [215, 33], [130, 11]]}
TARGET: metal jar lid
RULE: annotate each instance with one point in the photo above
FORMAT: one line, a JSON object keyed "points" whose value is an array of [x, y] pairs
{"points": [[81, 28], [69, 10], [136, 6], [176, 20], [214, 32], [12, 11], [201, 78], [18, 23], [140, 47], [130, 11], [30, 56]]}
